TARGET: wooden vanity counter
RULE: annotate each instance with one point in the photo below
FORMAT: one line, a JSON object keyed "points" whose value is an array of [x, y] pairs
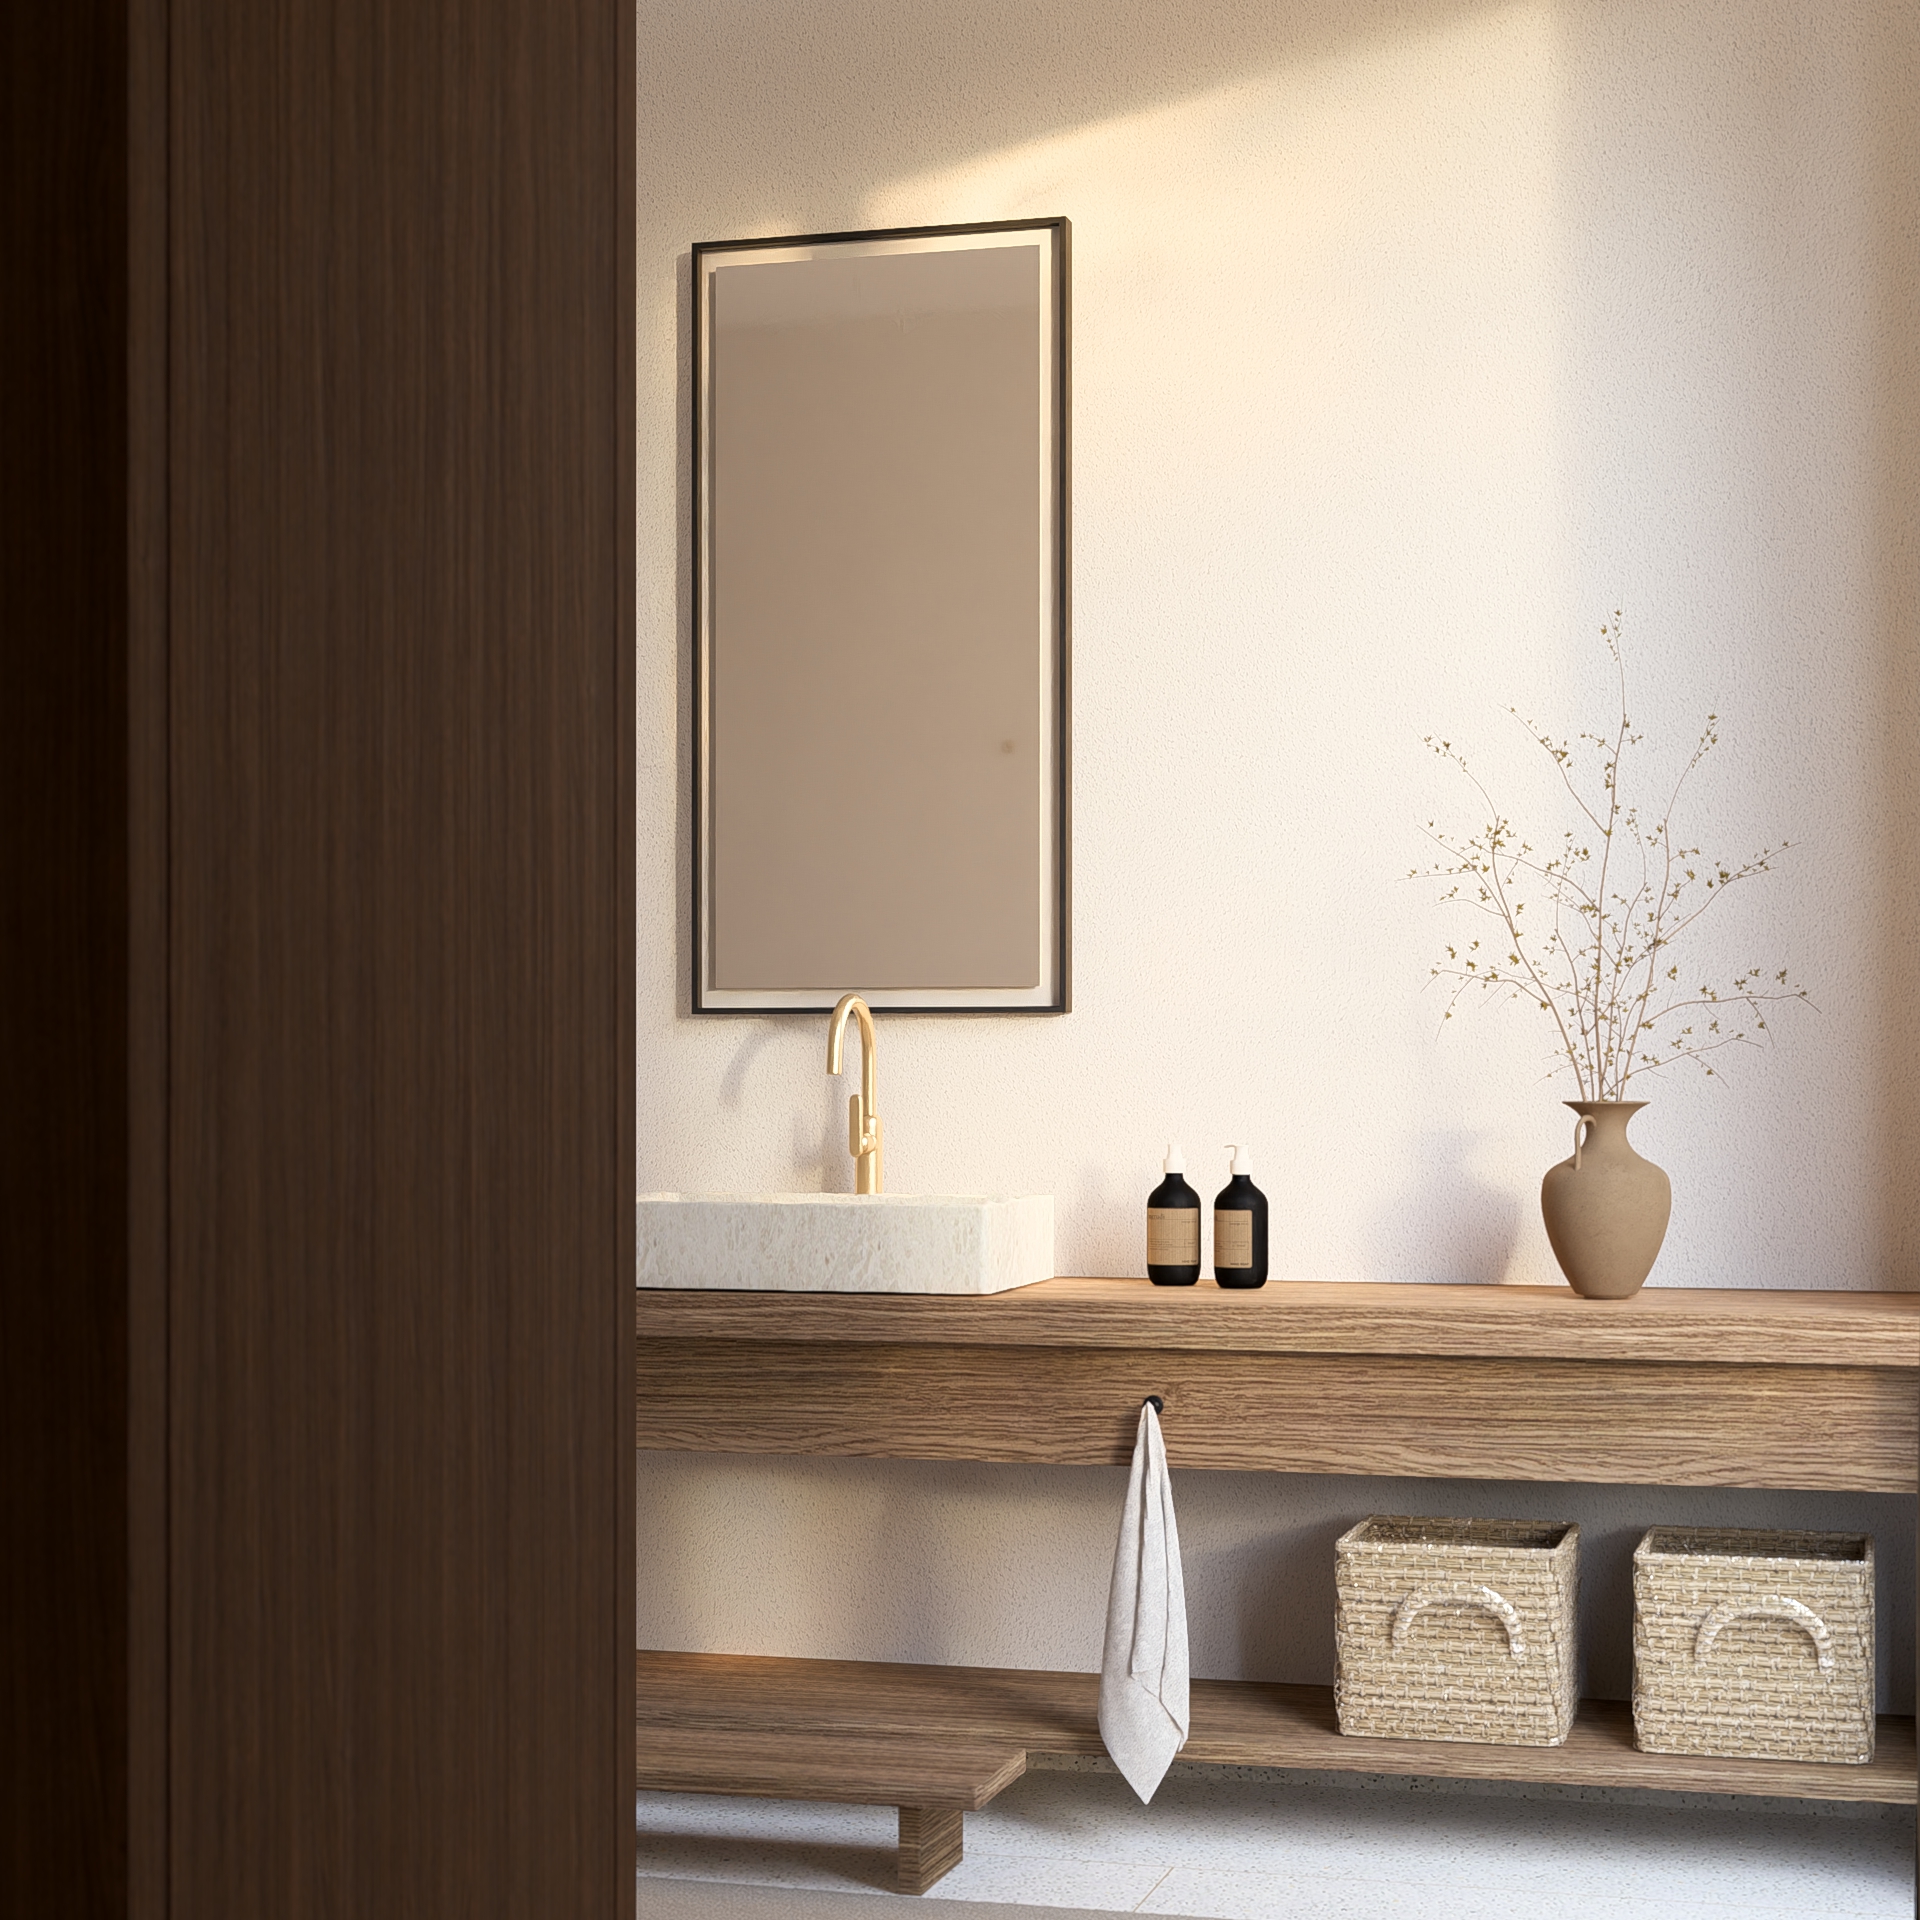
{"points": [[1677, 1387]]}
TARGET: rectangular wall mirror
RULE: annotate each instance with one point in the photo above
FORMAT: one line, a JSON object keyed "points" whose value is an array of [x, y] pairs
{"points": [[880, 608]]}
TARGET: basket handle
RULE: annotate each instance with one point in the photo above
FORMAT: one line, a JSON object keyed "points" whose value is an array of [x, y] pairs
{"points": [[1774, 1607], [1421, 1598]]}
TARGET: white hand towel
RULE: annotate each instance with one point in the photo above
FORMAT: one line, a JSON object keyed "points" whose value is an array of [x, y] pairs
{"points": [[1143, 1672]]}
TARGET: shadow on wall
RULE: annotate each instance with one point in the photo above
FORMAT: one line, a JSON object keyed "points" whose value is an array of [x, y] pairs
{"points": [[1763, 311], [1896, 341], [1444, 1223], [807, 98]]}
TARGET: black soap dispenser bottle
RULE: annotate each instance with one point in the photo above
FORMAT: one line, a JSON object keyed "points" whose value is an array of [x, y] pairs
{"points": [[1173, 1228], [1240, 1229]]}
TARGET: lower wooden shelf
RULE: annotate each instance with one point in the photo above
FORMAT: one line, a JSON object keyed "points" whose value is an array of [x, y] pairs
{"points": [[812, 1714]]}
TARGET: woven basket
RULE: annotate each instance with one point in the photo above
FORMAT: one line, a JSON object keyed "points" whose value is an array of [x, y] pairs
{"points": [[1754, 1644], [1456, 1630]]}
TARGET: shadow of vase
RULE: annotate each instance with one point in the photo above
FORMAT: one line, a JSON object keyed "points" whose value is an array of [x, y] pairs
{"points": [[1444, 1223]]}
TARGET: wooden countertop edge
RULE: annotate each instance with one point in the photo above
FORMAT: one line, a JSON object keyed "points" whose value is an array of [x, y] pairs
{"points": [[1739, 1326]]}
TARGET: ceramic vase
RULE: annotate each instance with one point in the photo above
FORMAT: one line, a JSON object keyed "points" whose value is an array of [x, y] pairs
{"points": [[1606, 1208]]}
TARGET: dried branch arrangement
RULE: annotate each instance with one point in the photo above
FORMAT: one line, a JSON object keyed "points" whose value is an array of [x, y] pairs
{"points": [[1585, 932]]}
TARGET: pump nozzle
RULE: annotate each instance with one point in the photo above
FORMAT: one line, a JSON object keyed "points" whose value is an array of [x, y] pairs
{"points": [[1239, 1159], [1175, 1162]]}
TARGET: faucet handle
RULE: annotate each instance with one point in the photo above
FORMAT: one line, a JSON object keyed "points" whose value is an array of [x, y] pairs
{"points": [[863, 1128], [863, 1142]]}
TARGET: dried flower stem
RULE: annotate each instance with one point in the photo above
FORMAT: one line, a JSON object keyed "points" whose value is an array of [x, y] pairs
{"points": [[1616, 903]]}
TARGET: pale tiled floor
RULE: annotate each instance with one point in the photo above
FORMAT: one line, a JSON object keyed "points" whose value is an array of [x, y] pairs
{"points": [[1228, 1846]]}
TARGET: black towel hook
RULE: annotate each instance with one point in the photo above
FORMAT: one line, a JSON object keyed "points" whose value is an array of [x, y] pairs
{"points": [[1154, 1401]]}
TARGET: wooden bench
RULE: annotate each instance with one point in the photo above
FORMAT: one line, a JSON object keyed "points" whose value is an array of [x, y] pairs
{"points": [[933, 1781], [921, 1739], [938, 1742]]}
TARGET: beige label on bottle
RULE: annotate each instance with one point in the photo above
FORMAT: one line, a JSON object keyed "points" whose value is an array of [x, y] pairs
{"points": [[1173, 1236], [1232, 1238]]}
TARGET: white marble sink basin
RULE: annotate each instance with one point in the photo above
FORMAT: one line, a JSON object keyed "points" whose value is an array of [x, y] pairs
{"points": [[844, 1242]]}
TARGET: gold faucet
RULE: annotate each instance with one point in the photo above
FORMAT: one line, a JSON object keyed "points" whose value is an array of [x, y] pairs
{"points": [[863, 1124]]}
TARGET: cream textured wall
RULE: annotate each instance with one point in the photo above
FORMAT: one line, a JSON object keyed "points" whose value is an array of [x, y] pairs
{"points": [[1409, 341]]}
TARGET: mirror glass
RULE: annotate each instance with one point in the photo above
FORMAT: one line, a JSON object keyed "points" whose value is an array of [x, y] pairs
{"points": [[880, 540]]}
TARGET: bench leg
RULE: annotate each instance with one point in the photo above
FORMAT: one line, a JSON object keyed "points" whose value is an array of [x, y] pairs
{"points": [[929, 1845]]}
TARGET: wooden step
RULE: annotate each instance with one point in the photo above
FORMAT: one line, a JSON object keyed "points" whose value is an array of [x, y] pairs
{"points": [[857, 1769], [1242, 1723], [933, 1777], [1041, 1712]]}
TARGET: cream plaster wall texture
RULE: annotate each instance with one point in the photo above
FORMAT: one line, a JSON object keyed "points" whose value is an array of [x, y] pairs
{"points": [[1409, 341]]}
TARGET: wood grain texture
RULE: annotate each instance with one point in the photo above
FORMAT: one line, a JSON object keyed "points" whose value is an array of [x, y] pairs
{"points": [[792, 1761], [931, 1844], [73, 1131], [1761, 1327], [1614, 1422], [149, 1052], [1035, 1711], [401, 848], [1235, 1723]]}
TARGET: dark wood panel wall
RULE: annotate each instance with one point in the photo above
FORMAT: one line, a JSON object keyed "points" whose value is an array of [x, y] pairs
{"points": [[65, 955], [316, 747]]}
